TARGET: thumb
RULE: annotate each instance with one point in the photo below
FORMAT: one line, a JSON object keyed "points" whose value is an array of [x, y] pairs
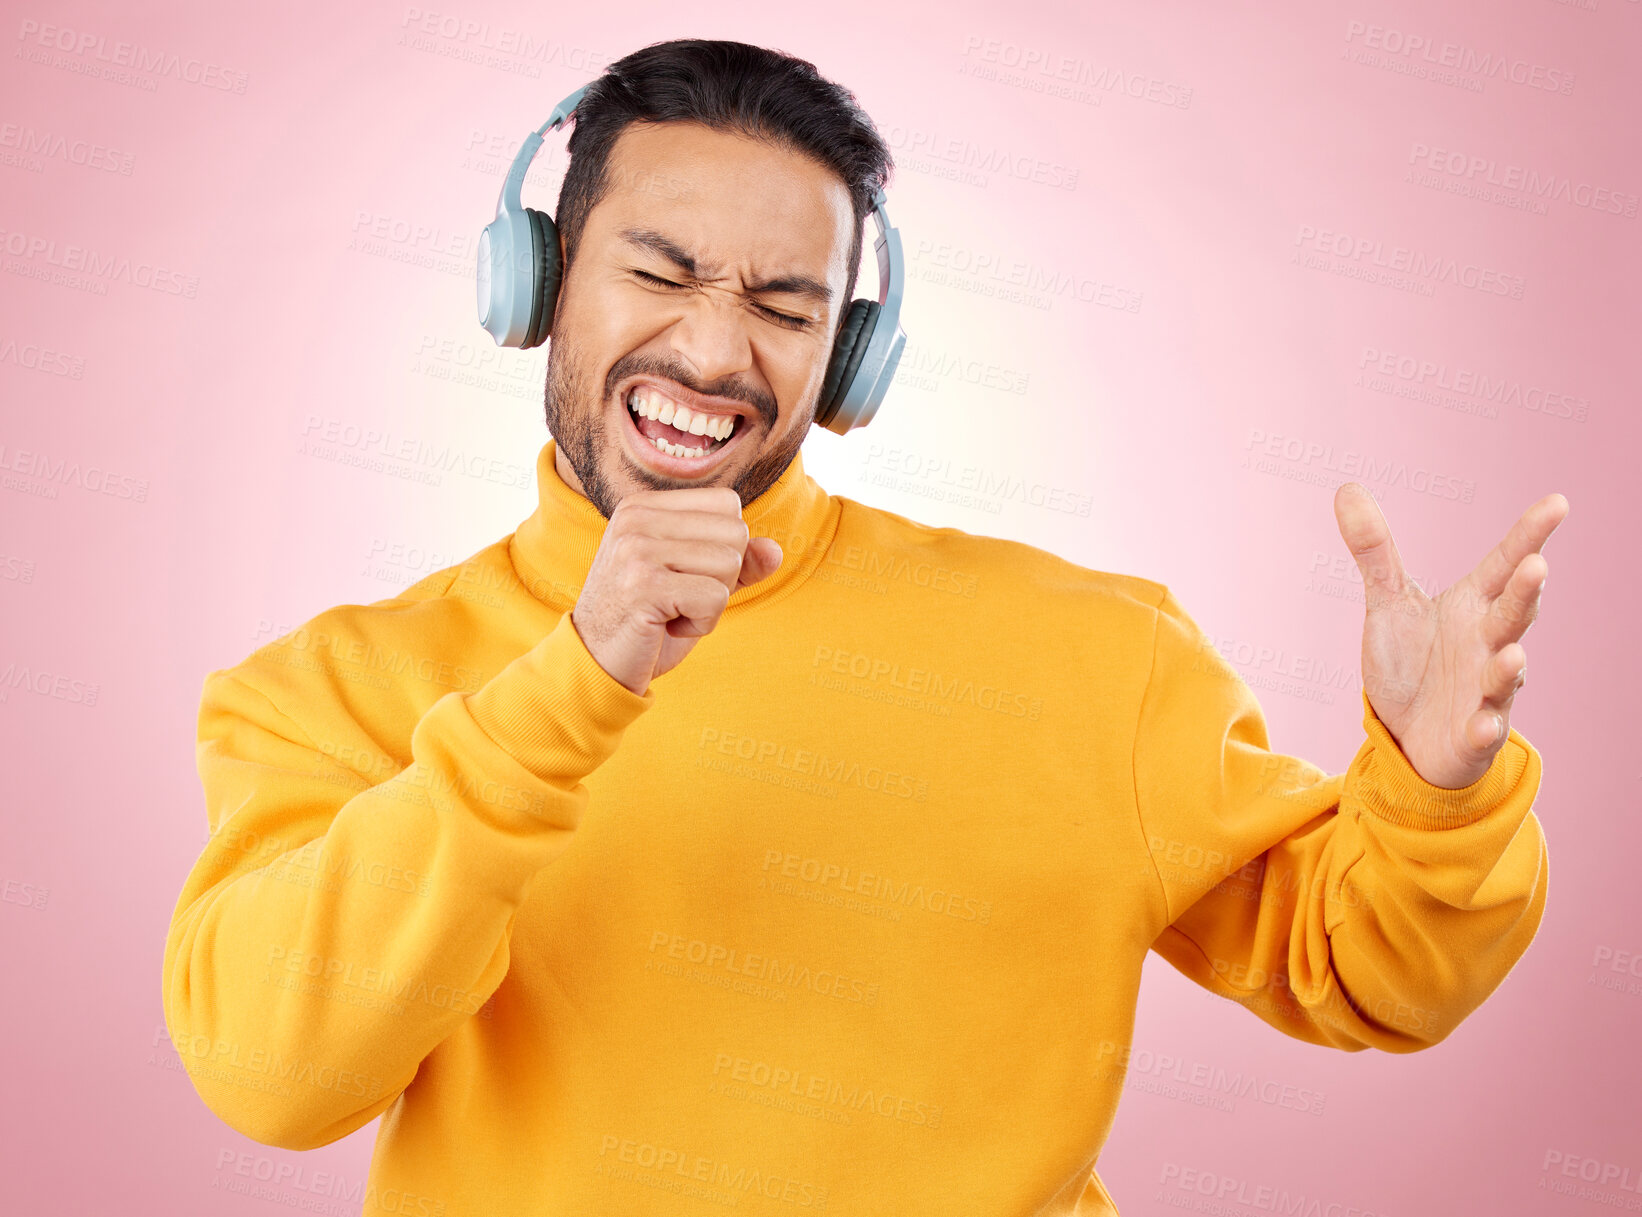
{"points": [[1368, 537], [760, 560]]}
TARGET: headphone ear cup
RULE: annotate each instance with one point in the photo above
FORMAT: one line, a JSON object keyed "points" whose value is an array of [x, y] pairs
{"points": [[847, 350], [544, 247]]}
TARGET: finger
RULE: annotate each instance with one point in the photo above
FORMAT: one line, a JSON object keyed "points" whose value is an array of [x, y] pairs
{"points": [[687, 523], [1516, 608], [1527, 536], [763, 556], [718, 499], [697, 603], [689, 556], [1484, 729], [1368, 537], [1505, 672]]}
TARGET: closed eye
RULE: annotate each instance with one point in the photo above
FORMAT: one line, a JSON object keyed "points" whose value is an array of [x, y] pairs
{"points": [[782, 319], [785, 319], [656, 279]]}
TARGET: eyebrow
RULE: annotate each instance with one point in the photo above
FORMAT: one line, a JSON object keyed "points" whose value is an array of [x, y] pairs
{"points": [[666, 247]]}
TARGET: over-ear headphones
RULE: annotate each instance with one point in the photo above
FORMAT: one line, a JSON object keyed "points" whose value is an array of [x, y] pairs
{"points": [[519, 276]]}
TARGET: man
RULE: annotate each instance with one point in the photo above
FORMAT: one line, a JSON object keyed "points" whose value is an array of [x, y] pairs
{"points": [[716, 840]]}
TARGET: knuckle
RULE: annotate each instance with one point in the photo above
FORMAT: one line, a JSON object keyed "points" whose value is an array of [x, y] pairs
{"points": [[640, 514]]}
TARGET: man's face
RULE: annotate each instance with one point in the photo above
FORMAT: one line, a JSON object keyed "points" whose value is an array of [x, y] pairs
{"points": [[711, 275]]}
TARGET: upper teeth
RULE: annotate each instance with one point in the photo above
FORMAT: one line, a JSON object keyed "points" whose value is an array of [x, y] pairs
{"points": [[663, 409]]}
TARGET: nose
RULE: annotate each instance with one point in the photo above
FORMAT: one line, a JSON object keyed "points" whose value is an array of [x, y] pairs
{"points": [[712, 334]]}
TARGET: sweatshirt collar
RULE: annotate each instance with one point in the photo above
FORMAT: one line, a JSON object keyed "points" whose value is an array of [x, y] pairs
{"points": [[553, 549]]}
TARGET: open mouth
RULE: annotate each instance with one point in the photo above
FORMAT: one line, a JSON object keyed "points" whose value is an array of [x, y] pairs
{"points": [[675, 437]]}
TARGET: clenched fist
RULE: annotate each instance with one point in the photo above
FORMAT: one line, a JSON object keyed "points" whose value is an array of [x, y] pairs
{"points": [[665, 568]]}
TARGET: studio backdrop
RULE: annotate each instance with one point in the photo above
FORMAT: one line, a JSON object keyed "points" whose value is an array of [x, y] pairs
{"points": [[1174, 273]]}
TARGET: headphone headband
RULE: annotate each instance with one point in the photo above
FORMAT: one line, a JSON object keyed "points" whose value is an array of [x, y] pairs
{"points": [[518, 284], [564, 109]]}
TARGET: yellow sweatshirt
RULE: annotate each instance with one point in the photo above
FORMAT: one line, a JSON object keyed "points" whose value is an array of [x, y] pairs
{"points": [[845, 914]]}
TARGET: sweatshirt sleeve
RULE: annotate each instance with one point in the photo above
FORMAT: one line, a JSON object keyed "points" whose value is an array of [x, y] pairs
{"points": [[1369, 909], [333, 932]]}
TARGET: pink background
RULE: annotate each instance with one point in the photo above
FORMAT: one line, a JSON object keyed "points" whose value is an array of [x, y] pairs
{"points": [[311, 228]]}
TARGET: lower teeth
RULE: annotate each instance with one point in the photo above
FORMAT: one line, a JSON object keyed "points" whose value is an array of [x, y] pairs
{"points": [[682, 451]]}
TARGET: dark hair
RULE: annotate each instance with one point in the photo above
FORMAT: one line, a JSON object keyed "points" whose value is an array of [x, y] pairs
{"points": [[728, 86]]}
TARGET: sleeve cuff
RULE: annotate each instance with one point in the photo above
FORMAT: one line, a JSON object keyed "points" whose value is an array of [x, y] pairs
{"points": [[555, 709], [1381, 780]]}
